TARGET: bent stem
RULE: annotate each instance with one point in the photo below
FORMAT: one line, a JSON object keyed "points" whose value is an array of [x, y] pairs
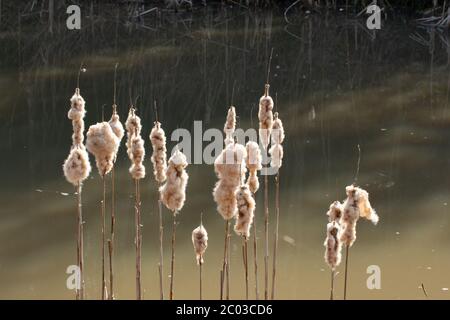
{"points": [[347, 248], [275, 245], [161, 257], [172, 262]]}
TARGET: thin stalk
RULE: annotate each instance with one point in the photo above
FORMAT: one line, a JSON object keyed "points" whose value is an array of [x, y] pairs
{"points": [[266, 235], [80, 254], [228, 271], [138, 240], [225, 259], [111, 240], [245, 260], [200, 279], [104, 289], [255, 257], [275, 245], [346, 268], [332, 285], [172, 262], [161, 256]]}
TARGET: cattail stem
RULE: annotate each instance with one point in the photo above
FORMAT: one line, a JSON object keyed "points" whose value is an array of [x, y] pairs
{"points": [[80, 254], [200, 279], [111, 240], [347, 249], [245, 260], [138, 240], [225, 258], [104, 289], [161, 256], [266, 235], [255, 257], [228, 271], [332, 285], [172, 262], [275, 245]]}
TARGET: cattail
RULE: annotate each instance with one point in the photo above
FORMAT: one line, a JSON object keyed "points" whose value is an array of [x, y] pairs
{"points": [[116, 127], [356, 205], [277, 137], [265, 117], [200, 243], [134, 127], [230, 169], [254, 163], [136, 153], [173, 192], [246, 208], [333, 245], [158, 140], [173, 195], [103, 144], [76, 169], [230, 126]]}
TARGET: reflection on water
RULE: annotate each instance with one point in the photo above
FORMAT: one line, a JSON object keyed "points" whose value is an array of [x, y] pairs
{"points": [[336, 85]]}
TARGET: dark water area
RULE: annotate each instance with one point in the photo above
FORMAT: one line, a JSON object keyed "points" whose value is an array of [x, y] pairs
{"points": [[337, 85]]}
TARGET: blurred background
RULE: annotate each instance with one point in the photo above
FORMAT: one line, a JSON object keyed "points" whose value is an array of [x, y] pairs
{"points": [[336, 85]]}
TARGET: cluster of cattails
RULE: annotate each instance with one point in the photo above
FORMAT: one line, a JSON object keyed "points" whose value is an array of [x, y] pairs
{"points": [[341, 229], [76, 169]]}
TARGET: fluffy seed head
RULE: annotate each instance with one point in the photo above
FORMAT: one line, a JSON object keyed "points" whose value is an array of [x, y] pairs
{"points": [[200, 243], [102, 143], [265, 117], [76, 167], [158, 140], [230, 169], [277, 135], [246, 209], [333, 245], [230, 125], [276, 156], [77, 107], [173, 192], [335, 211]]}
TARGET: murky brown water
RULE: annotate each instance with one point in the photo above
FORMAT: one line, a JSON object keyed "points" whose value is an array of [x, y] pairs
{"points": [[336, 87]]}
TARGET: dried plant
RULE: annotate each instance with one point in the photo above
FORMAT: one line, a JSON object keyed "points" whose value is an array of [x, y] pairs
{"points": [[333, 247], [119, 131], [356, 205], [244, 219], [76, 169], [276, 154], [159, 160], [173, 195], [230, 170], [136, 153], [200, 243]]}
